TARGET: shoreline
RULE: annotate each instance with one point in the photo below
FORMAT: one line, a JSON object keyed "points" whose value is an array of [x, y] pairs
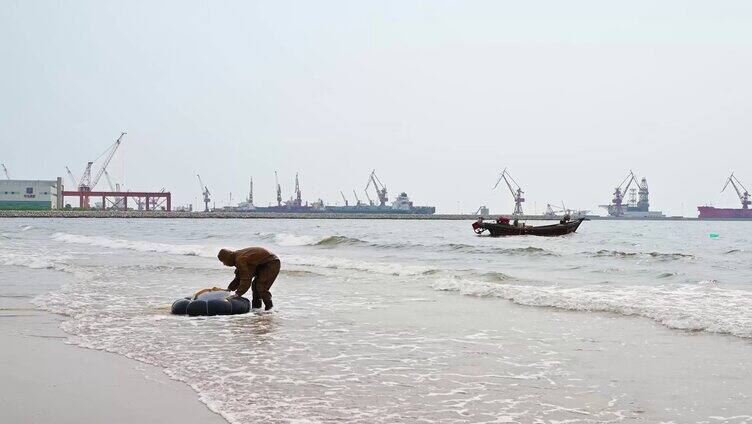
{"points": [[70, 214], [45, 378]]}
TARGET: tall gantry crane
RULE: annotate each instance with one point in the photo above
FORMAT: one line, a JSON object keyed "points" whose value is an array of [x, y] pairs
{"points": [[7, 175], [279, 189], [516, 193], [742, 192], [205, 192], [357, 201], [379, 187]]}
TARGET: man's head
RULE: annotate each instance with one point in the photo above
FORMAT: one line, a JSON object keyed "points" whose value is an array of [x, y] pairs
{"points": [[227, 257]]}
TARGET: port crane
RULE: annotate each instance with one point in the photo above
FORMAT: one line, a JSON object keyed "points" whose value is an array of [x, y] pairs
{"points": [[119, 201], [357, 201], [481, 211], [344, 198], [552, 209], [205, 192], [370, 202], [621, 189], [87, 183], [250, 193], [379, 187], [279, 189], [298, 195], [72, 177], [516, 193], [7, 175], [743, 195], [108, 154]]}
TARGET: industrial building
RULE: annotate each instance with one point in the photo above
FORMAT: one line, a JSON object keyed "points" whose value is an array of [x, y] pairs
{"points": [[31, 194]]}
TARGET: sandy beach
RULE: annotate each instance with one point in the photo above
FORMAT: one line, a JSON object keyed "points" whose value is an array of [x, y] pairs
{"points": [[45, 380]]}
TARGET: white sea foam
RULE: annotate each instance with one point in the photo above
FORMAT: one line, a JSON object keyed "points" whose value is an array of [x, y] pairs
{"points": [[33, 261], [141, 246], [386, 268], [696, 307]]}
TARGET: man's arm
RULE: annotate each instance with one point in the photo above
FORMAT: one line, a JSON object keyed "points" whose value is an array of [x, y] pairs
{"points": [[234, 283], [245, 277]]}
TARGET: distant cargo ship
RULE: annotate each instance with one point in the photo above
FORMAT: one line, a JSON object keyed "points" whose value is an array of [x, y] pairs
{"points": [[710, 212], [401, 205], [724, 213]]}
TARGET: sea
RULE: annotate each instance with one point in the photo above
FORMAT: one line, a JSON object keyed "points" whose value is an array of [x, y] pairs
{"points": [[387, 321]]}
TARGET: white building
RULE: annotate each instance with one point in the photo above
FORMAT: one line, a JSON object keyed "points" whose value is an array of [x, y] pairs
{"points": [[31, 194]]}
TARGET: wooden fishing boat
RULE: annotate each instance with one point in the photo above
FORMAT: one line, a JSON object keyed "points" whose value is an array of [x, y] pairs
{"points": [[502, 227]]}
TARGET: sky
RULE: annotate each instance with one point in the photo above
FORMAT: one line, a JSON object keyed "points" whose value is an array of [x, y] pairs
{"points": [[437, 96]]}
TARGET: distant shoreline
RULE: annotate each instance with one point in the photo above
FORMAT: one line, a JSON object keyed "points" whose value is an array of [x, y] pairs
{"points": [[323, 215]]}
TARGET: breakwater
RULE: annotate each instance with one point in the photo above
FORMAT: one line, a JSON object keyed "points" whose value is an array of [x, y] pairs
{"points": [[278, 215]]}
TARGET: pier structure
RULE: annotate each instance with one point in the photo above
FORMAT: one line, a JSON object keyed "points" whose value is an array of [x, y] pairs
{"points": [[145, 200]]}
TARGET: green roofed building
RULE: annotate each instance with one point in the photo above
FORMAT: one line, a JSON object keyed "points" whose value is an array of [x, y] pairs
{"points": [[30, 194]]}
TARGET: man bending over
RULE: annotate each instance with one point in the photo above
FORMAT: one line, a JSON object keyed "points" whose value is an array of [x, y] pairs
{"points": [[255, 268]]}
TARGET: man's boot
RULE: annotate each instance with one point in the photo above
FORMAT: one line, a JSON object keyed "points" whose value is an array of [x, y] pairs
{"points": [[267, 301]]}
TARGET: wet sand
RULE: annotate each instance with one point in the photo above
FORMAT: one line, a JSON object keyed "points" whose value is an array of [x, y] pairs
{"points": [[45, 380]]}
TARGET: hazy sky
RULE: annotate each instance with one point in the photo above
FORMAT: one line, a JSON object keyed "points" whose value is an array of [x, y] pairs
{"points": [[437, 96]]}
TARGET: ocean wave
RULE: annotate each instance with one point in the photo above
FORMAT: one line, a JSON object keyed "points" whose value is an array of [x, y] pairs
{"points": [[140, 246], [695, 307], [657, 255], [337, 240], [332, 241], [385, 268], [13, 258], [523, 251]]}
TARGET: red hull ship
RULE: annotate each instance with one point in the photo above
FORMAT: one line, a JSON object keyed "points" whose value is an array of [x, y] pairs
{"points": [[729, 213], [726, 213]]}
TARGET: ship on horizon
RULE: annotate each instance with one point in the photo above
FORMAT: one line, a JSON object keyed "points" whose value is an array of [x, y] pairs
{"points": [[710, 212], [401, 204]]}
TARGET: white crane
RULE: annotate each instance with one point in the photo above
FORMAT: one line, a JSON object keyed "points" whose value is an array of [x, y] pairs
{"points": [[7, 175], [516, 193], [205, 192], [87, 183], [108, 154], [743, 193]]}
